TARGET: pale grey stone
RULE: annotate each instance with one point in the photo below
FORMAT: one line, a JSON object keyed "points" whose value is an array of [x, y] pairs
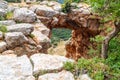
{"points": [[3, 4], [84, 77], [1, 35], [2, 12], [63, 75], [15, 68], [3, 46], [7, 22], [46, 62], [42, 40], [45, 11], [14, 39], [25, 28], [24, 15]]}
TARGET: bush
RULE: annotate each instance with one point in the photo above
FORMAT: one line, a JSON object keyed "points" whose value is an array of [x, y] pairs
{"points": [[9, 15], [3, 28]]}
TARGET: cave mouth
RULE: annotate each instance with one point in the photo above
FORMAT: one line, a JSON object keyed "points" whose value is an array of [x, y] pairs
{"points": [[59, 37]]}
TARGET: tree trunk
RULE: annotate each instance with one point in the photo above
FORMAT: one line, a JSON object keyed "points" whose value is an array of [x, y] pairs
{"points": [[105, 44]]}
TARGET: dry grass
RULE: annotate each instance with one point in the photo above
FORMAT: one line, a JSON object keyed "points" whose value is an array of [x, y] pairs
{"points": [[59, 49]]}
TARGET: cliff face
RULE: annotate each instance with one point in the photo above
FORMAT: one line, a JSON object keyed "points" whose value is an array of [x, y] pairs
{"points": [[83, 26]]}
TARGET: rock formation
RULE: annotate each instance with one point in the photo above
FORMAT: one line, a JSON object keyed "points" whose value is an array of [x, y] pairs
{"points": [[83, 26]]}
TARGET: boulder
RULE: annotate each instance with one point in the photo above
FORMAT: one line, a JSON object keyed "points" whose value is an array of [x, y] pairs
{"points": [[14, 39], [25, 28], [3, 4], [3, 7], [2, 12], [24, 15], [42, 40], [11, 8], [15, 68], [7, 22], [55, 5], [63, 75], [3, 46], [47, 63], [45, 11]]}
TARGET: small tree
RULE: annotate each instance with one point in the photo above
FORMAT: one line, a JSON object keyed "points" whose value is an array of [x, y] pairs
{"points": [[109, 9]]}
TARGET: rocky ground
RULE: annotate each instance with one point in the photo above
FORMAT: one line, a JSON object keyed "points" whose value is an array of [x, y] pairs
{"points": [[24, 41]]}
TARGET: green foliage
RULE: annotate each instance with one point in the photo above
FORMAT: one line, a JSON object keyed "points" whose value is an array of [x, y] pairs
{"points": [[3, 28], [60, 34], [9, 15], [31, 35], [106, 8], [13, 1], [97, 50], [69, 66], [66, 7], [2, 18], [97, 68]]}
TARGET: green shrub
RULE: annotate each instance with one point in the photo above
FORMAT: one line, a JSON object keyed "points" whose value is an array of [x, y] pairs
{"points": [[9, 15], [2, 18], [3, 28]]}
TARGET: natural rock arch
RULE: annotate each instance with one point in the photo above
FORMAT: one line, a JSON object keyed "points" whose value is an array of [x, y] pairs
{"points": [[83, 26]]}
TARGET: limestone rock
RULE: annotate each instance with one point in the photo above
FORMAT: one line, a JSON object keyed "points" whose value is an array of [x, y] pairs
{"points": [[15, 68], [2, 12], [3, 4], [46, 62], [63, 75], [8, 52], [7, 22], [11, 8], [3, 7], [30, 1], [3, 46], [24, 15], [1, 35], [45, 11], [14, 39], [84, 77], [25, 28], [55, 5], [4, 77], [42, 40]]}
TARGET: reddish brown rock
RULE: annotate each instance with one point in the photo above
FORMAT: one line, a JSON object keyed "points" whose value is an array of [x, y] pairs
{"points": [[83, 26]]}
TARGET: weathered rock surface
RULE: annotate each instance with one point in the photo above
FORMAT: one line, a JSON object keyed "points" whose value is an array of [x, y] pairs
{"points": [[42, 40], [3, 46], [7, 22], [14, 39], [15, 68], [46, 62], [8, 52], [63, 75], [84, 77], [45, 11], [3, 4], [24, 15], [2, 12], [25, 28], [3, 7], [1, 35]]}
